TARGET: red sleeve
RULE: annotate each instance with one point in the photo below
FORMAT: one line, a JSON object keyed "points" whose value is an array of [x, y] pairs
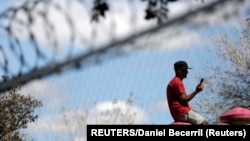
{"points": [[180, 89]]}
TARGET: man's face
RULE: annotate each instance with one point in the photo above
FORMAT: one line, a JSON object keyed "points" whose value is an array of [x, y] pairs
{"points": [[184, 73]]}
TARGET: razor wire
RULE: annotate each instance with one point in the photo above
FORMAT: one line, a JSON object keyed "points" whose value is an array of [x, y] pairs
{"points": [[44, 65]]}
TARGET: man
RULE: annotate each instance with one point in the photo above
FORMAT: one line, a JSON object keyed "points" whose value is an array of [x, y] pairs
{"points": [[178, 99]]}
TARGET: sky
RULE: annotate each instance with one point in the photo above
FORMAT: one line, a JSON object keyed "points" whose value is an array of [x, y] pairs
{"points": [[131, 83]]}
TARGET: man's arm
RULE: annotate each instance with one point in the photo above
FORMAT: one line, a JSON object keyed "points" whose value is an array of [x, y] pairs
{"points": [[187, 98]]}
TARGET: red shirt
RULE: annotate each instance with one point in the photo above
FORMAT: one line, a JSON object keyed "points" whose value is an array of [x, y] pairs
{"points": [[174, 90]]}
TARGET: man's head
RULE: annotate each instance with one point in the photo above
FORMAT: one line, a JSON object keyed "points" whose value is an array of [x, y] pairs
{"points": [[181, 68]]}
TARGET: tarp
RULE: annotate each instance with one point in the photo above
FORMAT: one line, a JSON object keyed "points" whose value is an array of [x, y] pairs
{"points": [[235, 113]]}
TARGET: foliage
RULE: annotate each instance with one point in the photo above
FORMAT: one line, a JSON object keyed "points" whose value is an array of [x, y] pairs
{"points": [[156, 9], [16, 111], [230, 85], [234, 84], [74, 122]]}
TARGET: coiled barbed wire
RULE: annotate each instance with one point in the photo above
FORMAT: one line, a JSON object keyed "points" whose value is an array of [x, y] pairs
{"points": [[43, 65]]}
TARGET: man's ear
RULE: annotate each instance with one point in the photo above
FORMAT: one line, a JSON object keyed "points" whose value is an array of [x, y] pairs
{"points": [[178, 71]]}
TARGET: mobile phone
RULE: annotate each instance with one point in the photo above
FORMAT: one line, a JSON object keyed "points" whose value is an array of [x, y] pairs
{"points": [[202, 79]]}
